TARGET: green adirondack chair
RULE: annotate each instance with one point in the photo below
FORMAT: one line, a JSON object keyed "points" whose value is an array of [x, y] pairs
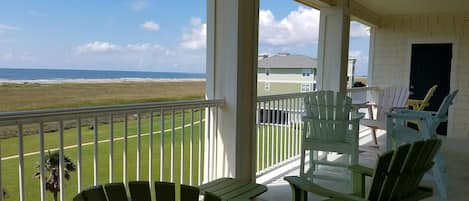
{"points": [[139, 191], [396, 176], [398, 133], [329, 126]]}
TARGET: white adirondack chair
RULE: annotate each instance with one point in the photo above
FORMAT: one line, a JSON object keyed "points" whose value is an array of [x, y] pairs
{"points": [[399, 133], [329, 127], [389, 98]]}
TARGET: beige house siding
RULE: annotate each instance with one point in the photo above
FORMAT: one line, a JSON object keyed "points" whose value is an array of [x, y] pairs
{"points": [[391, 56], [278, 88]]}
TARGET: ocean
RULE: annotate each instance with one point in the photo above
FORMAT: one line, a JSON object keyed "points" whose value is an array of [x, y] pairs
{"points": [[10, 74]]}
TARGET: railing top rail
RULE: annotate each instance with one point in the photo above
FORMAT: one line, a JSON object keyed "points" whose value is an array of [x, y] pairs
{"points": [[122, 108], [357, 89], [282, 96]]}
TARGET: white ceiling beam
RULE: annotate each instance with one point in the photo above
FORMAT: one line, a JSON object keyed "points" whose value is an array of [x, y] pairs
{"points": [[318, 3], [363, 14]]}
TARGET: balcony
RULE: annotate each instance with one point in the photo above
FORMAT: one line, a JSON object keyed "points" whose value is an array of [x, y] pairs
{"points": [[171, 141]]}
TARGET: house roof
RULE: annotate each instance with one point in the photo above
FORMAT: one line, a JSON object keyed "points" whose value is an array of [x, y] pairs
{"points": [[287, 61]]}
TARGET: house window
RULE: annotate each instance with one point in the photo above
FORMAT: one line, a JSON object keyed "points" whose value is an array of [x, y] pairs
{"points": [[267, 71], [306, 72], [267, 86], [305, 87]]}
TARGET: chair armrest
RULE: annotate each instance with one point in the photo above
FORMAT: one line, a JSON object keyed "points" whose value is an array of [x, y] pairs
{"points": [[359, 169], [410, 114], [356, 116], [414, 102], [308, 186]]}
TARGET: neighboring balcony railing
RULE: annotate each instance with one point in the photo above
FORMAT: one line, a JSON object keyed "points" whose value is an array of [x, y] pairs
{"points": [[278, 129], [151, 141]]}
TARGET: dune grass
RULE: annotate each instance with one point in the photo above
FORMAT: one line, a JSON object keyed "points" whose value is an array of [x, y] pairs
{"points": [[34, 96]]}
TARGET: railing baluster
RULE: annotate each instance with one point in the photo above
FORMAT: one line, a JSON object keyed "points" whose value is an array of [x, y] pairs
{"points": [[264, 117], [269, 136], [79, 156], [1, 186], [95, 150], [41, 163], [139, 146], [111, 148], [258, 131], [209, 146], [124, 154], [298, 123], [61, 161], [150, 147], [182, 147], [162, 146], [191, 153], [215, 134], [287, 128], [173, 155], [277, 143], [199, 160], [21, 162], [282, 131]]}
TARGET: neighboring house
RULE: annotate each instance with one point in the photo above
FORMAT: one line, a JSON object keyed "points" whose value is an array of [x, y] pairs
{"points": [[288, 73]]}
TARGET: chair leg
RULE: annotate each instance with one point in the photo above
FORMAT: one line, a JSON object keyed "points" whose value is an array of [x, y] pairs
{"points": [[439, 181], [298, 194], [373, 133]]}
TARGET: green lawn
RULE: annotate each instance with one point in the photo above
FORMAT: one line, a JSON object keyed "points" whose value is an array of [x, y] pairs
{"points": [[31, 144]]}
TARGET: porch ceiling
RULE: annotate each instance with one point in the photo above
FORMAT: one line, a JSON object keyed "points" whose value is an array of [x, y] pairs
{"points": [[396, 7]]}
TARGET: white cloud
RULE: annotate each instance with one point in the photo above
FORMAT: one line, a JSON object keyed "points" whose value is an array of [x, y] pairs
{"points": [[5, 28], [300, 26], [355, 53], [106, 47], [359, 30], [151, 26], [97, 46], [138, 5], [195, 37], [6, 56]]}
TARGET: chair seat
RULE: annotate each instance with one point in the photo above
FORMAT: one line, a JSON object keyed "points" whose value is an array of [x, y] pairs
{"points": [[373, 123], [342, 147]]}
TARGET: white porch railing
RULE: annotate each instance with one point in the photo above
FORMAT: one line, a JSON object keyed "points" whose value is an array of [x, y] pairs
{"points": [[278, 129], [279, 126], [175, 128]]}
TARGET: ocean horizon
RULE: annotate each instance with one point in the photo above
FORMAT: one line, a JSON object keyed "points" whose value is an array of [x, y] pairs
{"points": [[59, 75]]}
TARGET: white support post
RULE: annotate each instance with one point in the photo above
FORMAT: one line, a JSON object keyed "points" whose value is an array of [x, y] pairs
{"points": [[232, 39], [334, 31]]}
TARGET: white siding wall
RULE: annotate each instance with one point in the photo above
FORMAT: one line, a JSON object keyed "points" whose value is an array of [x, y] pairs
{"points": [[391, 62]]}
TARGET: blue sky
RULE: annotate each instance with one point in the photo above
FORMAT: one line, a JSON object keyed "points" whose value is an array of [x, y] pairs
{"points": [[144, 35]]}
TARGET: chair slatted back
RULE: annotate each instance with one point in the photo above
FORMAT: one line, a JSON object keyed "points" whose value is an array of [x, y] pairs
{"points": [[444, 107], [140, 191], [399, 172], [324, 112], [95, 193], [426, 99], [389, 98], [165, 191], [189, 193], [211, 197], [116, 192]]}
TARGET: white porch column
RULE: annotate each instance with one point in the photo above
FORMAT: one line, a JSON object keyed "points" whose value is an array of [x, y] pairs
{"points": [[232, 39], [334, 29]]}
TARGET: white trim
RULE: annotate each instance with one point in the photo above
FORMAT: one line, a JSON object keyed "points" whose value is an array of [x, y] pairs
{"points": [[453, 74], [288, 81]]}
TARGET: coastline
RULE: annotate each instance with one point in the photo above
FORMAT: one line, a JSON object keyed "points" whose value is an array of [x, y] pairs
{"points": [[99, 81]]}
